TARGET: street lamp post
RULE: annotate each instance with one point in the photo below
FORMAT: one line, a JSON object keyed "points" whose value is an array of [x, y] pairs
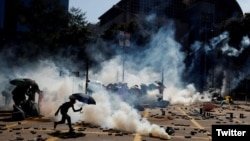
{"points": [[87, 76], [123, 65], [124, 43], [124, 40]]}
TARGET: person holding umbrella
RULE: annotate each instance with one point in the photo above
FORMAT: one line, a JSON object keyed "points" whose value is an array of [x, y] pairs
{"points": [[24, 86], [25, 108], [64, 109]]}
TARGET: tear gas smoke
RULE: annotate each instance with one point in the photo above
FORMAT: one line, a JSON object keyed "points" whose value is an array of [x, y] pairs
{"points": [[46, 74], [215, 59], [146, 66], [162, 53], [113, 113], [143, 67]]}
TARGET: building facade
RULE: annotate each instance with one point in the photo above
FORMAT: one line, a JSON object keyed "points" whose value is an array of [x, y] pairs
{"points": [[202, 16], [9, 15], [195, 20], [2, 3]]}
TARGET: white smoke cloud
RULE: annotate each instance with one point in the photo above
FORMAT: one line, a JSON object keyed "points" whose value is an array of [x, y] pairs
{"points": [[186, 96], [56, 89], [218, 39], [113, 113], [231, 51], [221, 55], [163, 53], [245, 42]]}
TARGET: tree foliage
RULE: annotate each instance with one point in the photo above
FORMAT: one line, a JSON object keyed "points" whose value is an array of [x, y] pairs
{"points": [[49, 24], [46, 28], [77, 32]]}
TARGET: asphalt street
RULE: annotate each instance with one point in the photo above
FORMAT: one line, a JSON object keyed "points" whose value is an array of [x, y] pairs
{"points": [[187, 122]]}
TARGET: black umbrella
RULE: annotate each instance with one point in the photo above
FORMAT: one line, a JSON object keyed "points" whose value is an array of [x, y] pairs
{"points": [[25, 83], [22, 81], [84, 98]]}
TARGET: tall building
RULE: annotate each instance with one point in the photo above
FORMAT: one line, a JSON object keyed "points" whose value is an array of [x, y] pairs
{"points": [[10, 15], [125, 10], [194, 20], [202, 16], [1, 14]]}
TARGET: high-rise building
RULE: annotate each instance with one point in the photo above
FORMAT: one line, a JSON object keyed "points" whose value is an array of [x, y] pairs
{"points": [[194, 20], [202, 16], [128, 9], [10, 18], [1, 14]]}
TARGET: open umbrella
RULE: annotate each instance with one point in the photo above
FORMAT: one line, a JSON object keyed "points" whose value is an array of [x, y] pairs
{"points": [[84, 98], [22, 81]]}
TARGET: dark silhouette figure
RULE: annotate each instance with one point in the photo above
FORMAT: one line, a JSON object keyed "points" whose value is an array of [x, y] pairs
{"points": [[161, 88], [33, 89], [19, 94], [64, 109], [7, 95]]}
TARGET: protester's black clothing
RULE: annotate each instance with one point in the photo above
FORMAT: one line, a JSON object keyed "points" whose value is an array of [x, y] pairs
{"points": [[63, 110]]}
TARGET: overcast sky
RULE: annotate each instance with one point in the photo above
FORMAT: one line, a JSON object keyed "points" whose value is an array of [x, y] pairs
{"points": [[95, 8]]}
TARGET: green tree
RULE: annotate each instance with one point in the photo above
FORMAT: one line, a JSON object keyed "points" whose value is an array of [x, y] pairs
{"points": [[77, 32], [52, 26], [45, 27]]}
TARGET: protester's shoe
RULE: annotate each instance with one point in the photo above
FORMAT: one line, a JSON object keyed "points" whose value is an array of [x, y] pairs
{"points": [[71, 130], [55, 124]]}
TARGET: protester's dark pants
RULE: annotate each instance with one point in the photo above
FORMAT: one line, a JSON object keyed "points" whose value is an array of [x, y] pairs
{"points": [[18, 100], [65, 117]]}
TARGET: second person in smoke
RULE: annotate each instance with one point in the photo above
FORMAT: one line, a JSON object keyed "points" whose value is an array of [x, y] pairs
{"points": [[64, 110]]}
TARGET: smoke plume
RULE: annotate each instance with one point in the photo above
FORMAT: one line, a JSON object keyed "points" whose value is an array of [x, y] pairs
{"points": [[161, 60]]}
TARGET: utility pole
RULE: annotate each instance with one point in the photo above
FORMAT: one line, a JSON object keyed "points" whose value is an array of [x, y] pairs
{"points": [[123, 64], [87, 76], [162, 76]]}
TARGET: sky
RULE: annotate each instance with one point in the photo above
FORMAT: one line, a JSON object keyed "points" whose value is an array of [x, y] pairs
{"points": [[95, 8]]}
